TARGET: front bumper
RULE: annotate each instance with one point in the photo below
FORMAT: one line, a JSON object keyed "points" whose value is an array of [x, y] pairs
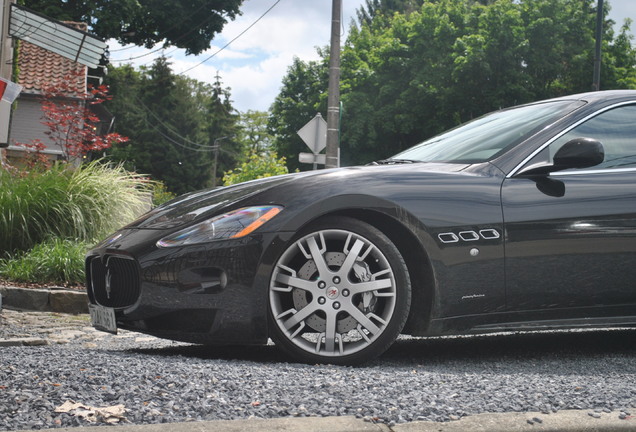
{"points": [[214, 293]]}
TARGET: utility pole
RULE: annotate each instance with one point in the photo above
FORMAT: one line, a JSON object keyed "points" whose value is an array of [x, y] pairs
{"points": [[596, 82], [333, 97], [216, 147]]}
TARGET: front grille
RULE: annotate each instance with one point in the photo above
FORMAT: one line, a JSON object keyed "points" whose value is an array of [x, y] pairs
{"points": [[114, 280]]}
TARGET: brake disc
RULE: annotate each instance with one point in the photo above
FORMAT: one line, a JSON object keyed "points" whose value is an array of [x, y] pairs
{"points": [[301, 298]]}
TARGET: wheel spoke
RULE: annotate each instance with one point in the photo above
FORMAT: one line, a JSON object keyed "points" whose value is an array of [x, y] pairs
{"points": [[364, 321], [301, 315], [353, 254], [362, 287], [296, 282], [317, 256], [330, 332]]}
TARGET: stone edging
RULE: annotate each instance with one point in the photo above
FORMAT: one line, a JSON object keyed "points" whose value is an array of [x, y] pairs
{"points": [[47, 300]]}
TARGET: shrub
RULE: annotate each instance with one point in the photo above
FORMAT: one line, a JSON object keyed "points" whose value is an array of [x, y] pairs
{"points": [[84, 203], [161, 194], [258, 165]]}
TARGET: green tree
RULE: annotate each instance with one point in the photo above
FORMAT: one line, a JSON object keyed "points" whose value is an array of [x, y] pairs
{"points": [[190, 25], [408, 74], [254, 134], [619, 60], [372, 9], [411, 75], [125, 83], [303, 94], [174, 124]]}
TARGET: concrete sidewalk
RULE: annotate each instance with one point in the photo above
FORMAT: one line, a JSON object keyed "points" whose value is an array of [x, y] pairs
{"points": [[562, 421]]}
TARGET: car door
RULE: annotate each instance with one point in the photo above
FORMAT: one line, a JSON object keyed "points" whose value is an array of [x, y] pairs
{"points": [[571, 235]]}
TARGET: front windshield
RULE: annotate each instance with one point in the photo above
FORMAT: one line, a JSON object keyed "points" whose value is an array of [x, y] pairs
{"points": [[489, 136]]}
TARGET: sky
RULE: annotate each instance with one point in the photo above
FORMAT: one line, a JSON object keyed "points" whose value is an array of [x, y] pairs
{"points": [[254, 65]]}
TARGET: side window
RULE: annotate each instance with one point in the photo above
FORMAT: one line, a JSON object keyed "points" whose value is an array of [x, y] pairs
{"points": [[615, 129]]}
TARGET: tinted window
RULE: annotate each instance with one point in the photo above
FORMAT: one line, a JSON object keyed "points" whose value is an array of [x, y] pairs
{"points": [[489, 136], [615, 129]]}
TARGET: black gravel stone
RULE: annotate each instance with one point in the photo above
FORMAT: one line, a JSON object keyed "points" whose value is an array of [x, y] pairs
{"points": [[436, 379]]}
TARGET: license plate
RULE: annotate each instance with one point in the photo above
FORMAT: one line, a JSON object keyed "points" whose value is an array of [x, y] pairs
{"points": [[103, 318]]}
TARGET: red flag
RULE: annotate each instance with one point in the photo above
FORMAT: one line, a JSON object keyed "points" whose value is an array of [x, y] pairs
{"points": [[9, 91]]}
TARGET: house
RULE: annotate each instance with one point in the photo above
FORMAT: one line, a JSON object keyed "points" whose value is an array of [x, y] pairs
{"points": [[37, 69]]}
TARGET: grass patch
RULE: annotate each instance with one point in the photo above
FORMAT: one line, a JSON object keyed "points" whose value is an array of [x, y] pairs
{"points": [[55, 260]]}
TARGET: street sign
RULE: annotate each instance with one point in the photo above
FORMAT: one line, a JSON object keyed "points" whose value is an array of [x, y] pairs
{"points": [[314, 134], [312, 158]]}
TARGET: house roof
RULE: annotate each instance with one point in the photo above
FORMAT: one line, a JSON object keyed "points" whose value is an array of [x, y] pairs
{"points": [[39, 67]]}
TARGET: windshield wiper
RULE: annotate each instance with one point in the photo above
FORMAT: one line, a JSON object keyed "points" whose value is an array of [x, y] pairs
{"points": [[393, 161]]}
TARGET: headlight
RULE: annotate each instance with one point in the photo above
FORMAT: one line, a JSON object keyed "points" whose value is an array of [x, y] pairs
{"points": [[235, 224]]}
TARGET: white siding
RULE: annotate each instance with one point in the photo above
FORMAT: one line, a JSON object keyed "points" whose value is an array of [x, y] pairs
{"points": [[26, 124]]}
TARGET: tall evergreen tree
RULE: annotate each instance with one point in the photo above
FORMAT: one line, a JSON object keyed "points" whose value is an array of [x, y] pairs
{"points": [[222, 130], [169, 119]]}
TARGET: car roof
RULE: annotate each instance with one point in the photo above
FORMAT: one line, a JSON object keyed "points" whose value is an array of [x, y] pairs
{"points": [[605, 95]]}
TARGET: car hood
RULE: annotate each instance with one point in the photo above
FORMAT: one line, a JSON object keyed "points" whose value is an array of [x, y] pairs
{"points": [[200, 205]]}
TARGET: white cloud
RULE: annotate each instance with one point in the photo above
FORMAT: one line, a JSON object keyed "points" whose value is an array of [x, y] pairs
{"points": [[254, 84]]}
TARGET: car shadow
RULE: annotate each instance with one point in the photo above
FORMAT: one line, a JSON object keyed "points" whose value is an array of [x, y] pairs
{"points": [[442, 351], [522, 346]]}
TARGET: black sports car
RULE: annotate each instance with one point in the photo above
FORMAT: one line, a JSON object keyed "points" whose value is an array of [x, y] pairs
{"points": [[521, 219]]}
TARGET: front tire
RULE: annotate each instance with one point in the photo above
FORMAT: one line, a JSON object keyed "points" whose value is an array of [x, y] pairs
{"points": [[340, 293]]}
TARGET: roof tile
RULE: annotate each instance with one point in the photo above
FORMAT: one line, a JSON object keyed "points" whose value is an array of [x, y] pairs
{"points": [[40, 68]]}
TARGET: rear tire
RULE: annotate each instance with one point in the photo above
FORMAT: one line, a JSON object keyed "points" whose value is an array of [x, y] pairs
{"points": [[340, 293]]}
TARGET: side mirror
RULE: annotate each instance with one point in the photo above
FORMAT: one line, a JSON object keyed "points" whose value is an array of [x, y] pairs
{"points": [[579, 153], [576, 153]]}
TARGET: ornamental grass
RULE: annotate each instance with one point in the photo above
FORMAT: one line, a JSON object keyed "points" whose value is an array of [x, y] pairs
{"points": [[81, 204]]}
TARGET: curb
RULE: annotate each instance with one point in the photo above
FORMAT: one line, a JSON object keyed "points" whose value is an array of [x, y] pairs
{"points": [[44, 300]]}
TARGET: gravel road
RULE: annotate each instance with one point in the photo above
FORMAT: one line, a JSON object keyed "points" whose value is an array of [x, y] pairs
{"points": [[437, 379]]}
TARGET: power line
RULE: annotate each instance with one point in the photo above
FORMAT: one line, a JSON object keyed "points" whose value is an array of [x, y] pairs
{"points": [[211, 56], [228, 44], [171, 140], [198, 146], [139, 56], [166, 55]]}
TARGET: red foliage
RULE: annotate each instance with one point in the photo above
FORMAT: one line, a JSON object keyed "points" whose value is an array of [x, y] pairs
{"points": [[35, 158], [70, 123]]}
